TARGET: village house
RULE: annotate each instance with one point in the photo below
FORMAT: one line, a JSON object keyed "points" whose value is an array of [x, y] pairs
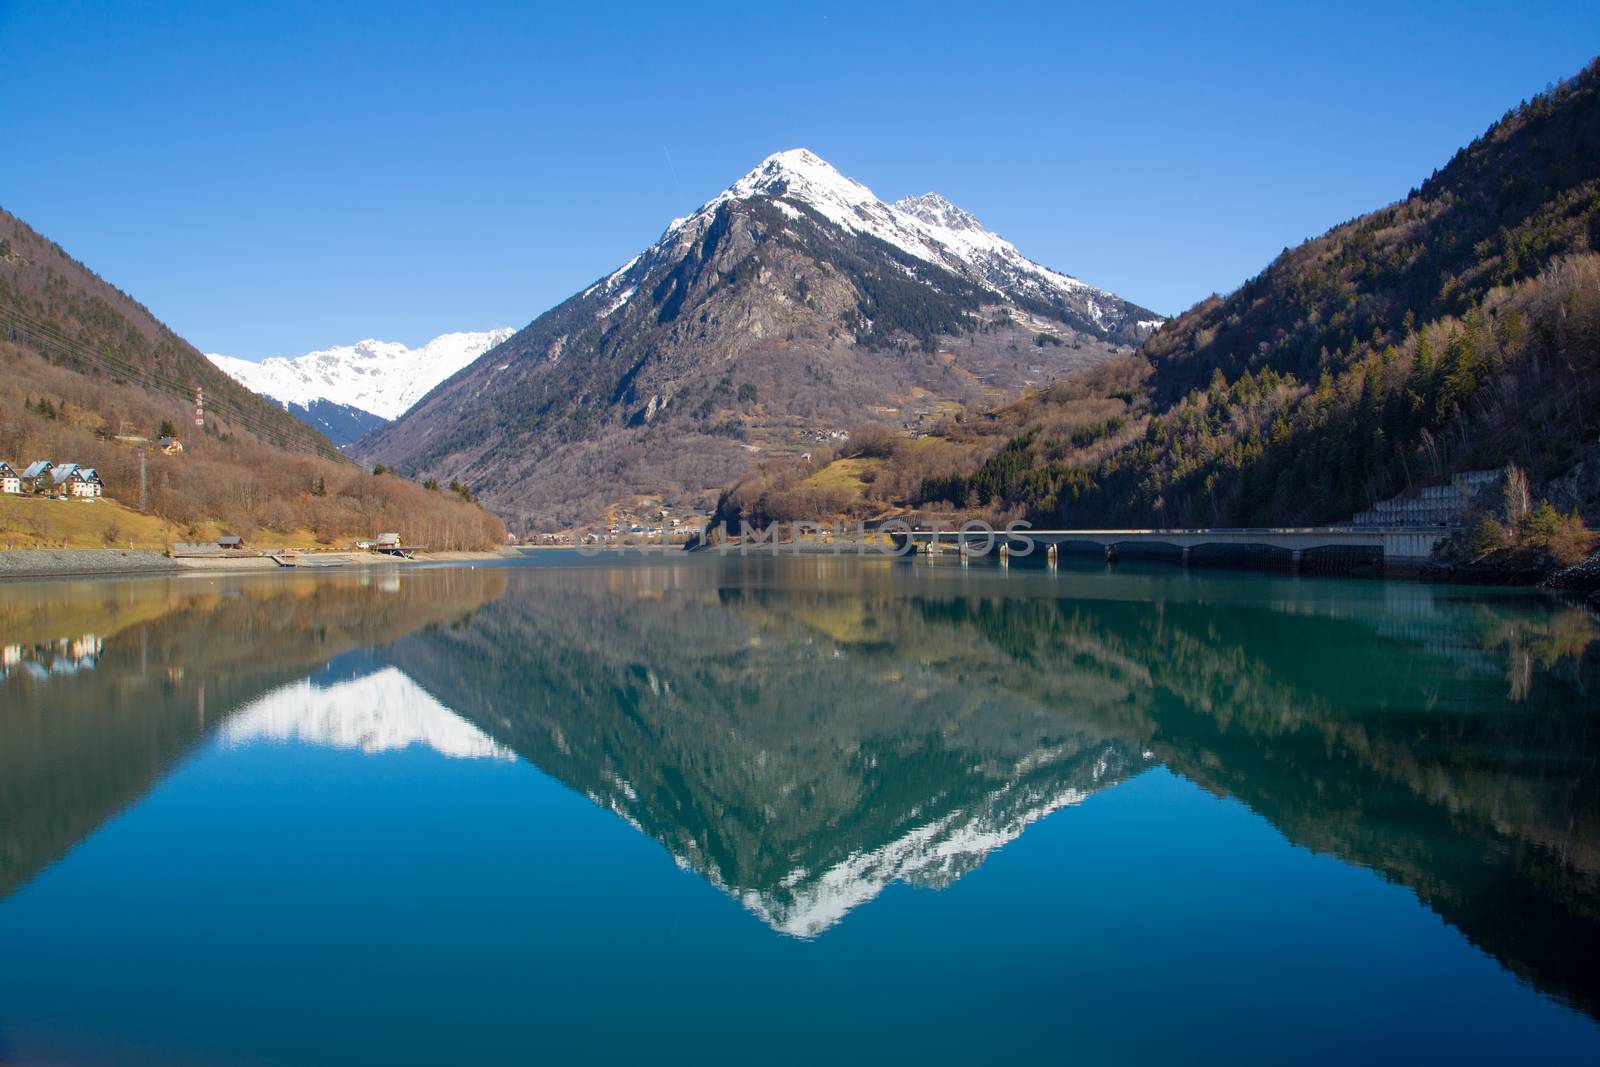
{"points": [[35, 475], [170, 446], [10, 480], [72, 480]]}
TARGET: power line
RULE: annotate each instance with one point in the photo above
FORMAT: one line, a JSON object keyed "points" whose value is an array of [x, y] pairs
{"points": [[56, 343], [51, 338]]}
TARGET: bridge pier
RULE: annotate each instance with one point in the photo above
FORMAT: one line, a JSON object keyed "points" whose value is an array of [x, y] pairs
{"points": [[1296, 556], [1185, 551], [1111, 553], [1052, 554], [1005, 554]]}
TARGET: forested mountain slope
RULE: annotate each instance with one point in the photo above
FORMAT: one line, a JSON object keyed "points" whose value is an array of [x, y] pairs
{"points": [[89, 376], [1456, 329], [53, 304]]}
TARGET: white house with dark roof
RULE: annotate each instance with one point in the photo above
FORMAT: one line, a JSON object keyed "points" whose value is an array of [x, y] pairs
{"points": [[33, 477], [86, 483], [73, 480], [10, 480]]}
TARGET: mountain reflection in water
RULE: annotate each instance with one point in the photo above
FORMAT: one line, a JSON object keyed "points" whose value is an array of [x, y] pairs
{"points": [[803, 733]]}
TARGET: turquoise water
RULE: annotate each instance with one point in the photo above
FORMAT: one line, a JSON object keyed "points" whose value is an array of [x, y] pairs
{"points": [[789, 810]]}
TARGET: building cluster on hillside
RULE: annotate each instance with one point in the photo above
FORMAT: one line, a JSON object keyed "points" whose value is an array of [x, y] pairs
{"points": [[44, 478], [1432, 505], [166, 444], [658, 525], [643, 524]]}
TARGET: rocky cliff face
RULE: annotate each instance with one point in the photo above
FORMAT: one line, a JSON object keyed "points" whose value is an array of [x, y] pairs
{"points": [[793, 304]]}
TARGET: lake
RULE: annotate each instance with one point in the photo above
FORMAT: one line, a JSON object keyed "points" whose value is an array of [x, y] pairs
{"points": [[720, 809]]}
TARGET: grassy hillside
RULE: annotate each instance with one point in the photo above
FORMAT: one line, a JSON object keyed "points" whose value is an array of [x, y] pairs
{"points": [[1454, 330], [88, 376], [38, 522]]}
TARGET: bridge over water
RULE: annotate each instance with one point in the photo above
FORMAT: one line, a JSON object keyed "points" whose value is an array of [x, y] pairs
{"points": [[1396, 544]]}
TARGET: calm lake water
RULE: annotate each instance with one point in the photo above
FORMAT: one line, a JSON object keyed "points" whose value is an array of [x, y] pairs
{"points": [[795, 810]]}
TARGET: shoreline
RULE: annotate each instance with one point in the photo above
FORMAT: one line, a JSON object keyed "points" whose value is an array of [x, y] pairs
{"points": [[1581, 583], [35, 564]]}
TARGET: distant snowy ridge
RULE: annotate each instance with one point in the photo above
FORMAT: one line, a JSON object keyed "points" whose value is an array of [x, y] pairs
{"points": [[381, 377], [379, 712]]}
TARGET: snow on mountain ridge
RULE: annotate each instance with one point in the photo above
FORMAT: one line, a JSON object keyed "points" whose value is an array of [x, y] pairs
{"points": [[927, 227], [381, 377], [990, 253], [934, 210]]}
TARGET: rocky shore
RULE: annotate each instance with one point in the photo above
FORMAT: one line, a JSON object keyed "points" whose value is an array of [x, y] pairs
{"points": [[113, 562], [72, 562], [1582, 578]]}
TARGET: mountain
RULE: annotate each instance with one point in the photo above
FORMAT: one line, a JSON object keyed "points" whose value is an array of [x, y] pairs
{"points": [[54, 306], [1455, 330], [91, 377], [787, 310], [350, 390], [340, 423]]}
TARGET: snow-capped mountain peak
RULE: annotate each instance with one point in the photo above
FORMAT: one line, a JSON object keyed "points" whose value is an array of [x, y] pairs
{"points": [[381, 377], [927, 227], [801, 175]]}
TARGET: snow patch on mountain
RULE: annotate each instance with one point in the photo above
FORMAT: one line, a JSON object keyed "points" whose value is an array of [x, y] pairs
{"points": [[616, 305], [381, 377]]}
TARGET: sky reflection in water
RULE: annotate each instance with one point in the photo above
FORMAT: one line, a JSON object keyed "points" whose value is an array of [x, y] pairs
{"points": [[694, 808]]}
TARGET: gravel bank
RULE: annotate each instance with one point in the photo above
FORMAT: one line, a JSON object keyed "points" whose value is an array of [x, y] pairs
{"points": [[61, 562], [1582, 578]]}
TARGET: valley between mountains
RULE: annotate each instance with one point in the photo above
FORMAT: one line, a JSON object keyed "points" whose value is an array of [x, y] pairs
{"points": [[797, 348]]}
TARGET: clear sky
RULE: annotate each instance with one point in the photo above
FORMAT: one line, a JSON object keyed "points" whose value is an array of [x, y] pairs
{"points": [[273, 178]]}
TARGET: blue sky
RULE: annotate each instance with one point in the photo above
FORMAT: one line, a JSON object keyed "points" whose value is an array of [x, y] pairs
{"points": [[274, 178]]}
